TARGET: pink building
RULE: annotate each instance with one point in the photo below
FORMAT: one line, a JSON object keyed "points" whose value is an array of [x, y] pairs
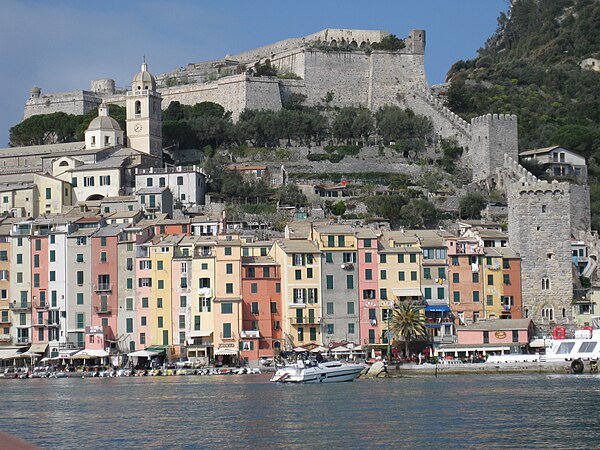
{"points": [[39, 289], [368, 282]]}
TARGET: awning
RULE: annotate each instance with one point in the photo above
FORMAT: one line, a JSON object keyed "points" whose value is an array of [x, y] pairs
{"points": [[340, 349], [407, 292], [300, 349], [437, 308], [226, 352], [7, 352], [156, 348], [38, 348], [538, 343], [199, 333], [319, 349], [143, 354], [90, 354], [12, 355]]}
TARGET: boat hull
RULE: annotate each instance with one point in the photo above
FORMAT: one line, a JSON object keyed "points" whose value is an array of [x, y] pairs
{"points": [[317, 374]]}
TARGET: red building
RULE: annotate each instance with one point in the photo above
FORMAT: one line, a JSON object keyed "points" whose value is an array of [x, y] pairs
{"points": [[261, 335]]}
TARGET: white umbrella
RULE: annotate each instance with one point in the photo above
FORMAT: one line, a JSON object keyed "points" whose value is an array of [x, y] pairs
{"points": [[143, 354]]}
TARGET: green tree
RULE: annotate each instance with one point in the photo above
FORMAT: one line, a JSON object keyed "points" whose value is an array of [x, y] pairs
{"points": [[471, 206], [338, 208], [407, 322], [290, 194], [418, 213]]}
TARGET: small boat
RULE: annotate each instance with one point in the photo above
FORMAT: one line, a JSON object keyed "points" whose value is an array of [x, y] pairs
{"points": [[317, 372]]}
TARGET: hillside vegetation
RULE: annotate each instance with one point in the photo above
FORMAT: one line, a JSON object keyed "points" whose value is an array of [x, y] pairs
{"points": [[531, 67]]}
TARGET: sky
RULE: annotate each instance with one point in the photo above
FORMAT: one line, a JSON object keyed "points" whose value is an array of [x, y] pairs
{"points": [[62, 45]]}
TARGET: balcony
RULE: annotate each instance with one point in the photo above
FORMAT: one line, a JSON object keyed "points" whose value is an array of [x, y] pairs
{"points": [[230, 337], [42, 306], [308, 320], [52, 323], [23, 340], [5, 337], [250, 334], [102, 287], [102, 309], [298, 304], [205, 292], [19, 305]]}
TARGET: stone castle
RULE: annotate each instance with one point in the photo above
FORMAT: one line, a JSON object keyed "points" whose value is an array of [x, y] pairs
{"points": [[339, 65]]}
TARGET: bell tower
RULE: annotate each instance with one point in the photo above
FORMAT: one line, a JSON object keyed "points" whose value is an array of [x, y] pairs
{"points": [[144, 121]]}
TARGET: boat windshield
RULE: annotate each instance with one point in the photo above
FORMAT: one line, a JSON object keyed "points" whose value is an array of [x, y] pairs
{"points": [[565, 348], [587, 347]]}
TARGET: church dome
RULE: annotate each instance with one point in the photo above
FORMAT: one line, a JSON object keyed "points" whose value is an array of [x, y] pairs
{"points": [[143, 80], [103, 121]]}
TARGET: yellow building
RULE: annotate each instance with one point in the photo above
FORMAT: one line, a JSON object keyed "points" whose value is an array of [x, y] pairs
{"points": [[300, 263], [202, 331], [161, 308], [399, 273], [227, 313]]}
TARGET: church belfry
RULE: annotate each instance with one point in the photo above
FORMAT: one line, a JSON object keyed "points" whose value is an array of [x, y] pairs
{"points": [[144, 122]]}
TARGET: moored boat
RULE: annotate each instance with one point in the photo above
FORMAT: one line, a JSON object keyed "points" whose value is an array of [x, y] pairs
{"points": [[317, 372]]}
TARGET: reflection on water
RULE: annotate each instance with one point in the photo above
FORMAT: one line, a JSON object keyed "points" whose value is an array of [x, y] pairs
{"points": [[248, 411]]}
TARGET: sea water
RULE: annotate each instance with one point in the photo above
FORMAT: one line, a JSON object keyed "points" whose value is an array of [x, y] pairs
{"points": [[247, 411]]}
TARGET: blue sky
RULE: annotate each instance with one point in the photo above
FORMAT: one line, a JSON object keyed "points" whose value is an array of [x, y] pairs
{"points": [[62, 45]]}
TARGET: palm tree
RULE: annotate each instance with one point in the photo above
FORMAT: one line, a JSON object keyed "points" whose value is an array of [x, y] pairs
{"points": [[408, 322]]}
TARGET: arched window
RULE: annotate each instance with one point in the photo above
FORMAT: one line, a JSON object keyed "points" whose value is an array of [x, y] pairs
{"points": [[63, 164], [138, 107], [548, 313], [545, 284]]}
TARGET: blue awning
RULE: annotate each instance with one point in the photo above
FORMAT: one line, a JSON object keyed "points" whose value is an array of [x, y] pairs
{"points": [[437, 308]]}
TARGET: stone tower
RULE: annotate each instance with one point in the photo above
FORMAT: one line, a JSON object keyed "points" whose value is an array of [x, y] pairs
{"points": [[492, 136], [143, 104], [540, 228], [415, 41]]}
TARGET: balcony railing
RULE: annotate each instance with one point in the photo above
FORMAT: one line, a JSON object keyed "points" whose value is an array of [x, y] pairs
{"points": [[304, 320], [23, 340], [250, 334], [102, 309], [20, 305], [103, 287], [229, 337], [52, 323]]}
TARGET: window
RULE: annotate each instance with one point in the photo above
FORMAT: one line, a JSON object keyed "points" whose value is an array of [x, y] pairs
{"points": [[440, 293], [19, 277], [309, 272], [329, 328], [36, 260], [145, 264], [312, 295], [36, 280], [144, 282], [161, 284], [197, 323], [427, 293], [273, 307], [205, 305], [159, 265], [413, 275], [349, 281], [159, 321], [401, 259], [298, 274], [490, 300], [368, 257], [79, 277], [350, 308], [227, 251], [48, 193], [227, 308], [412, 257], [129, 326], [143, 321], [52, 275], [88, 181], [278, 288], [226, 330], [52, 256], [382, 258], [456, 296], [506, 264], [486, 337], [229, 268], [254, 288], [401, 276], [267, 272], [515, 336], [341, 241], [475, 277], [142, 338], [328, 257], [456, 278], [369, 294], [104, 180], [329, 308], [179, 181], [490, 280], [79, 320], [144, 302], [475, 296], [545, 284], [229, 288], [19, 258], [159, 302], [383, 294], [300, 334], [369, 274], [329, 281], [80, 298], [38, 244], [162, 182], [427, 273], [506, 278]]}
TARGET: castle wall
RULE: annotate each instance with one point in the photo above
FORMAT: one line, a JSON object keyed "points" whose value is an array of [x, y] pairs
{"points": [[74, 102], [581, 212]]}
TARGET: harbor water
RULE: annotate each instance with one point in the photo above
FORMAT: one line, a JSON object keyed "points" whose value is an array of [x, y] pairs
{"points": [[246, 411]]}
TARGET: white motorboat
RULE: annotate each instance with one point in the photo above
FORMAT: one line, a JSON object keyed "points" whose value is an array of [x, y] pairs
{"points": [[317, 372]]}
